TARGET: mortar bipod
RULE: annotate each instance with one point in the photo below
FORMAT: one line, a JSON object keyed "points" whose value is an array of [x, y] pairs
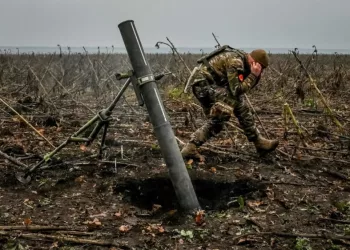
{"points": [[102, 118]]}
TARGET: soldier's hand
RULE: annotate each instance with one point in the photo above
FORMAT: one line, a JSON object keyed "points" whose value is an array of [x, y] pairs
{"points": [[255, 68]]}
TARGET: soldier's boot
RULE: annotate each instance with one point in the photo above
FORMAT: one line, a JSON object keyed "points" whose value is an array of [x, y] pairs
{"points": [[246, 119], [211, 128], [264, 146]]}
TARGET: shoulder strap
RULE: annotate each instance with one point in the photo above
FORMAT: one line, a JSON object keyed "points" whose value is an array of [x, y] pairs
{"points": [[214, 53]]}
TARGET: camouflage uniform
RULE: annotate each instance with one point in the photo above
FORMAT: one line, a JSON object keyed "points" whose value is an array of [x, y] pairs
{"points": [[222, 97]]}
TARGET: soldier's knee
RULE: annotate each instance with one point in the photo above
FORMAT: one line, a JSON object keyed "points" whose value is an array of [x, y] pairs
{"points": [[221, 111]]}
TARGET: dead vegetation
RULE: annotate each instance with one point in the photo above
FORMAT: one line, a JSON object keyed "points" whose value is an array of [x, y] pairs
{"points": [[297, 198]]}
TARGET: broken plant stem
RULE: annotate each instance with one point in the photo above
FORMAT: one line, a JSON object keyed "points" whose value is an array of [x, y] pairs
{"points": [[13, 160], [288, 111], [177, 53], [295, 235], [67, 238], [235, 127], [336, 221], [69, 93], [229, 135], [26, 122], [37, 78], [254, 112], [181, 142], [36, 228], [314, 85]]}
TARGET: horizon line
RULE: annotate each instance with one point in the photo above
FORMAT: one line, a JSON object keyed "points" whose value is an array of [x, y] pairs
{"points": [[148, 47]]}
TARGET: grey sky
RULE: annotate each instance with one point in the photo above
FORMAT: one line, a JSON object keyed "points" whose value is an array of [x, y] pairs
{"points": [[188, 23]]}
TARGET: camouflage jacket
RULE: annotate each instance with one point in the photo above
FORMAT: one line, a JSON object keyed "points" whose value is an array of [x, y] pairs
{"points": [[233, 70]]}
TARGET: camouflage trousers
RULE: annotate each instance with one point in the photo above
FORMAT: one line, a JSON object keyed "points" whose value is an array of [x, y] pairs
{"points": [[219, 106]]}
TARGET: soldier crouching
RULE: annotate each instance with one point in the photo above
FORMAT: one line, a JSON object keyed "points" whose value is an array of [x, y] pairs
{"points": [[224, 76]]}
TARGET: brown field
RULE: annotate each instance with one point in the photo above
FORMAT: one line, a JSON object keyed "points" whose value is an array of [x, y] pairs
{"points": [[296, 198]]}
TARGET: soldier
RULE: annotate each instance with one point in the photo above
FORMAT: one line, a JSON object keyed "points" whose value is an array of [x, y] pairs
{"points": [[223, 78]]}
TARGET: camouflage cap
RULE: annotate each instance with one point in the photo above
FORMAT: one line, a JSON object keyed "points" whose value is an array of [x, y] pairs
{"points": [[260, 56]]}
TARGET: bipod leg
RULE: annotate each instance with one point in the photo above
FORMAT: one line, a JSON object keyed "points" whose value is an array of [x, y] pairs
{"points": [[95, 132], [102, 146], [25, 177], [86, 126], [103, 117], [105, 114]]}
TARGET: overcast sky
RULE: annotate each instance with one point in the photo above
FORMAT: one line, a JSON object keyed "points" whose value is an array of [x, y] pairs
{"points": [[188, 23]]}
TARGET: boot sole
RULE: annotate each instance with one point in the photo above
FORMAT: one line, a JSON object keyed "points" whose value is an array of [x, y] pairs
{"points": [[263, 152]]}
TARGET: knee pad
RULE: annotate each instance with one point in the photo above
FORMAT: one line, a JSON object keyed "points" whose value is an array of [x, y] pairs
{"points": [[221, 111]]}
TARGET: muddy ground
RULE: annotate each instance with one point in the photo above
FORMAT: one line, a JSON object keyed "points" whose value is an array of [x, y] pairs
{"points": [[295, 198]]}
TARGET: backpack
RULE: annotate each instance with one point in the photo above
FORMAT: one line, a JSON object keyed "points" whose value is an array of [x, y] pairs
{"points": [[204, 60]]}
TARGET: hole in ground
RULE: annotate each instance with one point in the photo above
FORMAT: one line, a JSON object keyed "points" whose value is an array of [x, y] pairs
{"points": [[212, 194]]}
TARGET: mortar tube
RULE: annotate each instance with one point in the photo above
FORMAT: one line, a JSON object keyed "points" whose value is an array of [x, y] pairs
{"points": [[169, 148]]}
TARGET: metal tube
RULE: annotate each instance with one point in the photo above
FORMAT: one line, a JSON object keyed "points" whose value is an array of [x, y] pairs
{"points": [[169, 148]]}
